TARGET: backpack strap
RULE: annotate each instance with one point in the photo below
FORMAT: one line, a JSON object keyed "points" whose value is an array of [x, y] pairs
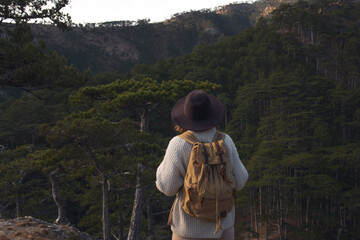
{"points": [[218, 136], [218, 221], [189, 137]]}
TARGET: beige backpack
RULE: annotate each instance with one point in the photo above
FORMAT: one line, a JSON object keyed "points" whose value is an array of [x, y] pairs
{"points": [[209, 185]]}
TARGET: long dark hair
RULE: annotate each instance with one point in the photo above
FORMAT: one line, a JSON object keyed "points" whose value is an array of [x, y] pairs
{"points": [[179, 129]]}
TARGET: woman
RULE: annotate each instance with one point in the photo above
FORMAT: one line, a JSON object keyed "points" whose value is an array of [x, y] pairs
{"points": [[198, 113]]}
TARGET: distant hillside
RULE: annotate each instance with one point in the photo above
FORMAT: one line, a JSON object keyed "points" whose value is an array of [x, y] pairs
{"points": [[119, 45]]}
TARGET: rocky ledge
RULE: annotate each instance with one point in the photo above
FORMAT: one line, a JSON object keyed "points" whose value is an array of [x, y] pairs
{"points": [[34, 229]]}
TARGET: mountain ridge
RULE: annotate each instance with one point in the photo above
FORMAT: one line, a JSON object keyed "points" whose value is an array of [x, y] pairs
{"points": [[119, 45]]}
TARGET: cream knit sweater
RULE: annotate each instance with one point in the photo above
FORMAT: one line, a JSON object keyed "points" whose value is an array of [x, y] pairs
{"points": [[170, 178]]}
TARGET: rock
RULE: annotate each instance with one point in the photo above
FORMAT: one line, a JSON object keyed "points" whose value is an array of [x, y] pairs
{"points": [[36, 229]]}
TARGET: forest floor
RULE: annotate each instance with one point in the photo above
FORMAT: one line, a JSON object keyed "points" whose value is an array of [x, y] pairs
{"points": [[243, 232], [29, 228], [273, 233]]}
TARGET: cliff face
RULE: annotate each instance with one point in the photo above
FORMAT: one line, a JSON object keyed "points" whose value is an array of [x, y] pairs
{"points": [[101, 49]]}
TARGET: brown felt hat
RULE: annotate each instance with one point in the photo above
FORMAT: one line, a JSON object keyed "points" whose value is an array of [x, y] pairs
{"points": [[198, 111]]}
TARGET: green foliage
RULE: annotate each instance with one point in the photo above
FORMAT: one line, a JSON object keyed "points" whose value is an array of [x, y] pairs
{"points": [[24, 11], [27, 66], [20, 181], [128, 93]]}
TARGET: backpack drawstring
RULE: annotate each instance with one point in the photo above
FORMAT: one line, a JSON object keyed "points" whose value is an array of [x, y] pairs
{"points": [[206, 173], [218, 223]]}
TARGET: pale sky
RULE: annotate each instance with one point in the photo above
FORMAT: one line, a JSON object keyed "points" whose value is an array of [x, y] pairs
{"points": [[95, 11]]}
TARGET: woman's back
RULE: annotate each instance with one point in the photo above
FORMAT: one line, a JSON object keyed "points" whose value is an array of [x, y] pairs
{"points": [[199, 113]]}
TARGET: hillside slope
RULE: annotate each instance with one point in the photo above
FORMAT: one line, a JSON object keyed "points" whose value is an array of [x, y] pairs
{"points": [[119, 45]]}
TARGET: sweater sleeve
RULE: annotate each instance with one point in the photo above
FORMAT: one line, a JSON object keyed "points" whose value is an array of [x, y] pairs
{"points": [[170, 173], [239, 171]]}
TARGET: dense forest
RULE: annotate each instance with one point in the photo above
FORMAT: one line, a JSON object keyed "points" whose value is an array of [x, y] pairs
{"points": [[83, 149]]}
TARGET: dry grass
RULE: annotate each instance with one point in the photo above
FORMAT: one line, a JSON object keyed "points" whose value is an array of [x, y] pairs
{"points": [[18, 234], [24, 235], [28, 228], [30, 236], [2, 237], [27, 223], [42, 232], [43, 226]]}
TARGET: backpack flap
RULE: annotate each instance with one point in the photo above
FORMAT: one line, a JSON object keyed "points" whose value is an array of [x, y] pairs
{"points": [[213, 153]]}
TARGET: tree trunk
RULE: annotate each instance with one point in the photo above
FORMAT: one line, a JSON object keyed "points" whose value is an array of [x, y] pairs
{"points": [[105, 207], [60, 203], [285, 225], [278, 202], [307, 212], [307, 216], [255, 214], [139, 200], [150, 219], [144, 119], [1, 209], [121, 228], [320, 209], [120, 222], [251, 216], [267, 214], [19, 204], [137, 211], [260, 205]]}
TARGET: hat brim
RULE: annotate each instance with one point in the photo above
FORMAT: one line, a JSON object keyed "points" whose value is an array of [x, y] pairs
{"points": [[217, 113]]}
